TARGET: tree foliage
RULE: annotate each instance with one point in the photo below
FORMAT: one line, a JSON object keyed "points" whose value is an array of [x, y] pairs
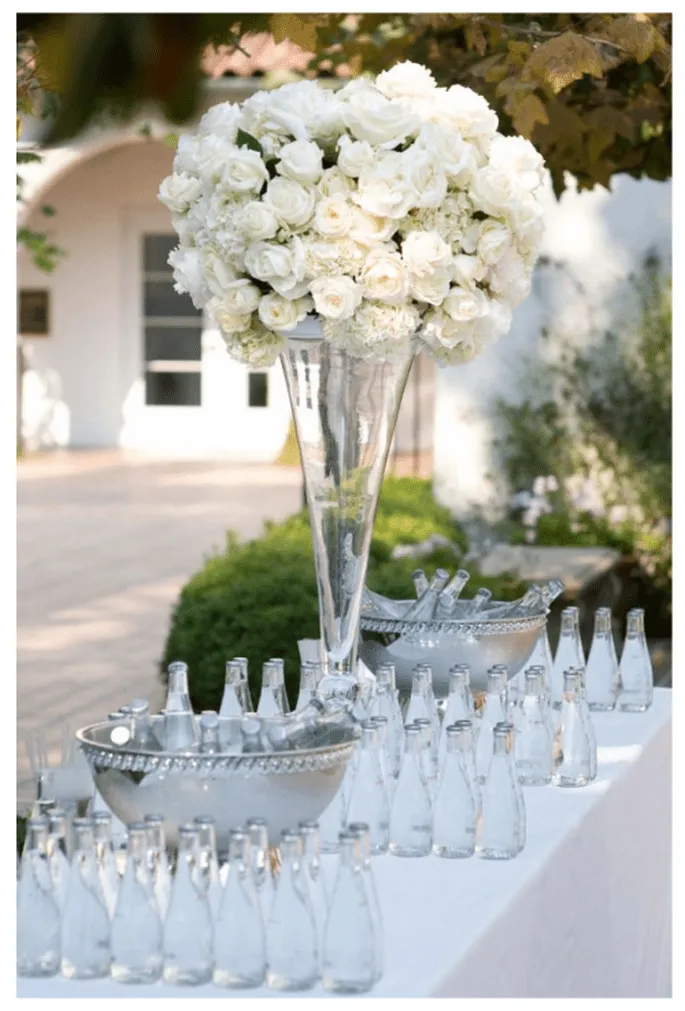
{"points": [[592, 91]]}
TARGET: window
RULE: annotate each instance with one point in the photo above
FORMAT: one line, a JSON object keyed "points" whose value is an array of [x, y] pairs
{"points": [[172, 337], [34, 315], [258, 389]]}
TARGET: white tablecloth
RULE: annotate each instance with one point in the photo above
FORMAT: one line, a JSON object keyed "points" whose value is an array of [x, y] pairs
{"points": [[584, 911]]}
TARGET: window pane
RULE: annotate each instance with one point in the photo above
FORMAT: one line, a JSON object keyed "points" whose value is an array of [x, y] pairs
{"points": [[156, 249], [160, 299], [258, 389], [175, 343], [173, 389]]}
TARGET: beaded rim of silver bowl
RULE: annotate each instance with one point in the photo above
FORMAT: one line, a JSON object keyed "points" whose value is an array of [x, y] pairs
{"points": [[101, 755], [455, 626]]}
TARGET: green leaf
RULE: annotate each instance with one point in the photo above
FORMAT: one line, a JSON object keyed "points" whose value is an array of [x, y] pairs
{"points": [[244, 139], [47, 210], [25, 157]]}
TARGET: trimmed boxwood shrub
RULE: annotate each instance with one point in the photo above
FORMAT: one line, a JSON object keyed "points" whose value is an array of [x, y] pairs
{"points": [[258, 598]]}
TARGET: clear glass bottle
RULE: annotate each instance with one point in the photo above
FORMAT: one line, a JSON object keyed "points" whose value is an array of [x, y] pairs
{"points": [[494, 712], [258, 832], [587, 720], [210, 743], [451, 593], [381, 723], [498, 834], [180, 732], [569, 653], [636, 672], [313, 871], [362, 832], [143, 737], [280, 664], [424, 607], [386, 703], [419, 706], [239, 935], [188, 936], [292, 953], [420, 581], [271, 694], [158, 862], [104, 854], [534, 737], [477, 602], [332, 821], [457, 708], [136, 926], [232, 700], [601, 672], [368, 797], [455, 811], [208, 878], [85, 920], [38, 914], [572, 746], [467, 729], [349, 963], [433, 712], [57, 852], [430, 768], [411, 815], [309, 678], [245, 694]]}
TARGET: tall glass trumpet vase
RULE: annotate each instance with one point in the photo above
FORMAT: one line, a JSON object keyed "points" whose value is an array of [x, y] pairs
{"points": [[345, 408]]}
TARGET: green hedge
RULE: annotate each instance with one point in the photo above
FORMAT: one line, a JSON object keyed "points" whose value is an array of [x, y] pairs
{"points": [[258, 598]]}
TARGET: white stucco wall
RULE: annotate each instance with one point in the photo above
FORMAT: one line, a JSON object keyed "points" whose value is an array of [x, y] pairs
{"points": [[601, 236], [84, 384]]}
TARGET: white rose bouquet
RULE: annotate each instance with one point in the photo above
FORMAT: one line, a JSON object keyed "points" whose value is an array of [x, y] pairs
{"points": [[393, 209]]}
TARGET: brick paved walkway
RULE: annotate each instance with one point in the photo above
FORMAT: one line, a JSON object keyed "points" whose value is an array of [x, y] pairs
{"points": [[104, 543]]}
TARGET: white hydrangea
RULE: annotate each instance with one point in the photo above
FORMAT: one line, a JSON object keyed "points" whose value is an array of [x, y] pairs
{"points": [[391, 208]]}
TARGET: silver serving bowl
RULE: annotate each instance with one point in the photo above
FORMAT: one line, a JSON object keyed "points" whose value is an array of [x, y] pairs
{"points": [[480, 643], [284, 788]]}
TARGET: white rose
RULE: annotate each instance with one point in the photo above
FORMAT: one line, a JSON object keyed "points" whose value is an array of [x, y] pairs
{"points": [[494, 240], [292, 203], [406, 80], [466, 111], [185, 159], [211, 154], [369, 230], [302, 109], [278, 313], [468, 270], [527, 221], [425, 252], [511, 278], [301, 161], [431, 288], [425, 177], [384, 277], [333, 217], [456, 156], [241, 297], [222, 120], [465, 304], [335, 297], [333, 183], [382, 122], [178, 191], [519, 158], [225, 319], [281, 266], [496, 192], [384, 190], [218, 274], [188, 274], [354, 156], [244, 170], [258, 221]]}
